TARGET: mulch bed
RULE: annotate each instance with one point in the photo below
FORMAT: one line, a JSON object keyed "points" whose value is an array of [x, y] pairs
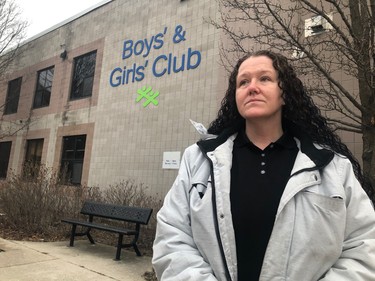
{"points": [[9, 233]]}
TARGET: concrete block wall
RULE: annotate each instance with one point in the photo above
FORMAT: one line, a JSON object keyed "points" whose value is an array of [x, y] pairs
{"points": [[125, 140]]}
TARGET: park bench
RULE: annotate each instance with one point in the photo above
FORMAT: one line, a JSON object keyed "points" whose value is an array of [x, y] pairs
{"points": [[110, 212]]}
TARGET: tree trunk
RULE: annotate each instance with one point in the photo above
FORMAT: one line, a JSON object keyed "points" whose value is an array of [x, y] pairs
{"points": [[363, 31], [368, 155]]}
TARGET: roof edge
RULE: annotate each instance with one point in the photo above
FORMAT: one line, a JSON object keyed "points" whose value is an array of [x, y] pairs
{"points": [[66, 21]]}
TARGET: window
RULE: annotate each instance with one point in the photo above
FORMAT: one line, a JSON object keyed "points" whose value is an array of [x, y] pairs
{"points": [[43, 88], [317, 25], [4, 157], [13, 96], [73, 153], [34, 151], [33, 158], [83, 76]]}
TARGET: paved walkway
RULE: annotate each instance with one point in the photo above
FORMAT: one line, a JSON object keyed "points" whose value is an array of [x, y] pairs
{"points": [[46, 261]]}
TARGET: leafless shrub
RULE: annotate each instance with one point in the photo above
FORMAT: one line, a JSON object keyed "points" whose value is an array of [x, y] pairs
{"points": [[33, 203]]}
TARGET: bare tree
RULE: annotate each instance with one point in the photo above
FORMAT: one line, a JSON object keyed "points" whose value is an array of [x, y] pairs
{"points": [[12, 33], [332, 45]]}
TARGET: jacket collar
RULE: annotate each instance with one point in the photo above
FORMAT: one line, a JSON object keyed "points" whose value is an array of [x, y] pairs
{"points": [[320, 156], [211, 144]]}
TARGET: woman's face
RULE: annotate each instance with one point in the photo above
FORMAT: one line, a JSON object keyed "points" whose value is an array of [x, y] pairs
{"points": [[258, 95]]}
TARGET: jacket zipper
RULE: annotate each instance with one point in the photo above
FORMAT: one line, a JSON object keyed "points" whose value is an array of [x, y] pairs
{"points": [[214, 207]]}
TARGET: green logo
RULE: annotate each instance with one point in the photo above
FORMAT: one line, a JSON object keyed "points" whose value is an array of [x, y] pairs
{"points": [[147, 94]]}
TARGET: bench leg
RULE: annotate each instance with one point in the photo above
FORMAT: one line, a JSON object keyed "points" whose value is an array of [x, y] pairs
{"points": [[90, 237], [137, 250], [135, 240], [72, 235], [119, 246]]}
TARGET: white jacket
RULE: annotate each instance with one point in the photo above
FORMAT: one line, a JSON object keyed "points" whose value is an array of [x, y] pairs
{"points": [[324, 227]]}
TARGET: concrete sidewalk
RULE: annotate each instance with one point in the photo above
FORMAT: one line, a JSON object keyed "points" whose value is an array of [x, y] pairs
{"points": [[46, 261]]}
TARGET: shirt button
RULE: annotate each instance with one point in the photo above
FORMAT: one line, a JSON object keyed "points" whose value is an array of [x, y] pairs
{"points": [[263, 172], [271, 145], [263, 154], [263, 163]]}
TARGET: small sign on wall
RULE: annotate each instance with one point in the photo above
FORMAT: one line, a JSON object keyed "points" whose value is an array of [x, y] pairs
{"points": [[171, 159]]}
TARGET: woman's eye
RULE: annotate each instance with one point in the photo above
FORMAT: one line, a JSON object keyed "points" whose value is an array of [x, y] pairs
{"points": [[243, 83], [265, 78]]}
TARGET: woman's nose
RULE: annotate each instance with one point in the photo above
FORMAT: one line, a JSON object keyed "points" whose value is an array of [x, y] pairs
{"points": [[252, 88]]}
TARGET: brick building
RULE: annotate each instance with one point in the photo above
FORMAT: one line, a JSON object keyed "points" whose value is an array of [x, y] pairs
{"points": [[109, 92]]}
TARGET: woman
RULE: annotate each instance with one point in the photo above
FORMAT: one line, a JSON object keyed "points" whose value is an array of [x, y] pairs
{"points": [[273, 194]]}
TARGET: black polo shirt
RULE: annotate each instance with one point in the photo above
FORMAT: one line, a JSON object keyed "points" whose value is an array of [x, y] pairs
{"points": [[258, 179]]}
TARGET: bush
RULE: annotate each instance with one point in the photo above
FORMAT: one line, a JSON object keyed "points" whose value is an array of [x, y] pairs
{"points": [[35, 201], [32, 205]]}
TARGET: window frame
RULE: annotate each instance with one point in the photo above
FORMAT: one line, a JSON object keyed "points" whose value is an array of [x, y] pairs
{"points": [[82, 87], [35, 148], [11, 102], [41, 90], [68, 163], [4, 165]]}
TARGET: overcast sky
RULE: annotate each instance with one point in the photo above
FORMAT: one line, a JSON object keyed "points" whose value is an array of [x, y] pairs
{"points": [[43, 14]]}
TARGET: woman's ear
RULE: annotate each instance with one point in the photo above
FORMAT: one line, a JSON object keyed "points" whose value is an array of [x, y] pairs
{"points": [[282, 97]]}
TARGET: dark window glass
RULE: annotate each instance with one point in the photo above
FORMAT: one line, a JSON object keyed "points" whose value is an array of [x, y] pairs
{"points": [[33, 158], [4, 157], [13, 96], [34, 151], [43, 87], [83, 76], [73, 153]]}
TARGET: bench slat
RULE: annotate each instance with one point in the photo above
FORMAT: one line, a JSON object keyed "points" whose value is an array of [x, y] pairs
{"points": [[131, 214], [101, 226]]}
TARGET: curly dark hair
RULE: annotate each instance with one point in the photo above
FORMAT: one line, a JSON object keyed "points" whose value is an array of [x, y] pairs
{"points": [[299, 109]]}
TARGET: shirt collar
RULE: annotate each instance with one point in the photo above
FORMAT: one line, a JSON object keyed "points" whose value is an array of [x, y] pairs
{"points": [[285, 141]]}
